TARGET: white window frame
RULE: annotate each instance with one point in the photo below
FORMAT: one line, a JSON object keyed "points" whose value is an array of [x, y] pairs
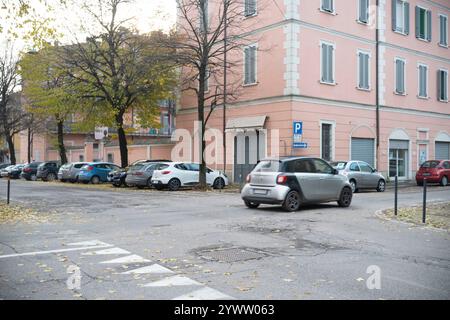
{"points": [[333, 7], [443, 45], [333, 138], [333, 58], [360, 51], [427, 81], [368, 13], [403, 31], [439, 98], [256, 10], [426, 22], [395, 76], [255, 45]]}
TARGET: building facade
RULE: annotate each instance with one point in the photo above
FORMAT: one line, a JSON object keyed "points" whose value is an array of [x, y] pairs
{"points": [[357, 92]]}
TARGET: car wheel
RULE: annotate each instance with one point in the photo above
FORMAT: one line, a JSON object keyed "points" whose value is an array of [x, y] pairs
{"points": [[381, 186], [51, 177], [444, 181], [174, 184], [219, 183], [419, 183], [33, 177], [251, 205], [346, 197], [353, 185], [292, 201], [95, 180]]}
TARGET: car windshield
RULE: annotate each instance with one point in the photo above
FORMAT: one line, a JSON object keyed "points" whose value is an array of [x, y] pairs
{"points": [[338, 164], [137, 167], [85, 167], [65, 166], [268, 166], [430, 164]]}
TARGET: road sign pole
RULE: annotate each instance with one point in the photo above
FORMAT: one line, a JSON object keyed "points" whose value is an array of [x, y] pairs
{"points": [[8, 190], [424, 208], [396, 195]]}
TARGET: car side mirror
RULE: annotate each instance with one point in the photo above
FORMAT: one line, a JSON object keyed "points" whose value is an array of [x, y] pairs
{"points": [[374, 170], [335, 171]]}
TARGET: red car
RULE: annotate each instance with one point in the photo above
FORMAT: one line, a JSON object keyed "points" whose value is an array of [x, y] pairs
{"points": [[435, 171]]}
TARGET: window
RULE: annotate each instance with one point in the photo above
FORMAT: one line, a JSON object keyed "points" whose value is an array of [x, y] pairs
{"points": [[363, 12], [354, 167], [250, 8], [423, 24], [322, 167], [110, 157], [363, 70], [399, 76], [304, 166], [327, 63], [365, 167], [327, 6], [443, 85], [326, 141], [400, 16], [250, 64], [443, 27], [423, 81]]}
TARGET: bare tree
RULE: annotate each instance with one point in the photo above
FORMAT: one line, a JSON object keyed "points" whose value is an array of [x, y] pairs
{"points": [[208, 31], [11, 111]]}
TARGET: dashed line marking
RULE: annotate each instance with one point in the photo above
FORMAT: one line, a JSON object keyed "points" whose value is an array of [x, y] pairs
{"points": [[106, 252], [90, 243], [155, 268], [134, 258], [173, 281], [52, 251], [206, 293]]}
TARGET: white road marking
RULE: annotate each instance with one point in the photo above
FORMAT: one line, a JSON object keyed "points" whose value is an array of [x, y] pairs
{"points": [[128, 259], [90, 243], [204, 294], [155, 268], [106, 251], [173, 281], [52, 251]]}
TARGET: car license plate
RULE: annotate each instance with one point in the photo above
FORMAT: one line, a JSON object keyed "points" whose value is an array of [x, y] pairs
{"points": [[260, 191], [426, 174]]}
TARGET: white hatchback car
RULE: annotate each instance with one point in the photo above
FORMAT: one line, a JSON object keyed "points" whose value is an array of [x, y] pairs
{"points": [[183, 174]]}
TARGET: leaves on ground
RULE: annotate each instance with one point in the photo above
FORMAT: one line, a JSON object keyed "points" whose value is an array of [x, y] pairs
{"points": [[10, 214], [437, 215]]}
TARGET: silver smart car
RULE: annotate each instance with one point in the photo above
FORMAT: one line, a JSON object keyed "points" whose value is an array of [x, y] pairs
{"points": [[292, 182], [361, 175]]}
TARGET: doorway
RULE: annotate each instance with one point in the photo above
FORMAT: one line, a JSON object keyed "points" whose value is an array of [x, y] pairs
{"points": [[398, 158]]}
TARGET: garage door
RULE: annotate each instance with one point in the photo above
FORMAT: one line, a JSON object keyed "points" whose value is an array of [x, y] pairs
{"points": [[442, 150], [363, 150]]}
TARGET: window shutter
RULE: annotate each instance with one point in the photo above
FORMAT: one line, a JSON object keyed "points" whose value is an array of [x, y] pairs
{"points": [[327, 5], [253, 64], [252, 7], [406, 14], [247, 65], [429, 25], [445, 85], [439, 84], [402, 77], [366, 70], [394, 15], [361, 71], [324, 62], [330, 64], [417, 22]]}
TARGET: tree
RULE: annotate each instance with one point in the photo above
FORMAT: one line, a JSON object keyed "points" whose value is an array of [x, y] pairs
{"points": [[11, 112], [47, 90], [119, 70], [201, 43]]}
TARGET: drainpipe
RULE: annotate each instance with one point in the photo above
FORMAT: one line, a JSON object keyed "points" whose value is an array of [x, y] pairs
{"points": [[224, 142], [377, 90]]}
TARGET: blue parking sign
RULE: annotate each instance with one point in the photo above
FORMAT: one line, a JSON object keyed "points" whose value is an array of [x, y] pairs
{"points": [[298, 127]]}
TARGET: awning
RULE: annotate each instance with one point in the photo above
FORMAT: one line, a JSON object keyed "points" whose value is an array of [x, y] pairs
{"points": [[246, 123]]}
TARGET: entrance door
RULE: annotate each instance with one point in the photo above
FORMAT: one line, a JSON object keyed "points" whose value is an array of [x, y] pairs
{"points": [[398, 163]]}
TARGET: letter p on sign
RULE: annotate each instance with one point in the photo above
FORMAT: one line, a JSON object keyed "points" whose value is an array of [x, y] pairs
{"points": [[298, 127]]}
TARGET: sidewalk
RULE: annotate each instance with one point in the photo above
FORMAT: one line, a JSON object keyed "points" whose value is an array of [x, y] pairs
{"points": [[401, 184]]}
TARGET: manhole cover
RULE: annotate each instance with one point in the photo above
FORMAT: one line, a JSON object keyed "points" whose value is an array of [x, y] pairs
{"points": [[232, 254]]}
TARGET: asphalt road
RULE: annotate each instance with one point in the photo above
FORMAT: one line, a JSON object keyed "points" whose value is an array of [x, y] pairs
{"points": [[133, 244]]}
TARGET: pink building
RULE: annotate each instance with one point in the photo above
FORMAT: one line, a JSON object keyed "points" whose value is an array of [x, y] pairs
{"points": [[381, 97]]}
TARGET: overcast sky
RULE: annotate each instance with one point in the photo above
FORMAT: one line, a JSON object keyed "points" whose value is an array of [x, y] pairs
{"points": [[147, 15]]}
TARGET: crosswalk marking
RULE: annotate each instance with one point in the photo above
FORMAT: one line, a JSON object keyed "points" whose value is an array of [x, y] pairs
{"points": [[106, 251], [35, 253], [205, 293], [173, 281], [134, 258], [155, 268], [90, 243]]}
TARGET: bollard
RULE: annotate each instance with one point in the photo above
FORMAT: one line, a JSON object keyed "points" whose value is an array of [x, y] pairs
{"points": [[8, 190], [396, 195], [424, 208]]}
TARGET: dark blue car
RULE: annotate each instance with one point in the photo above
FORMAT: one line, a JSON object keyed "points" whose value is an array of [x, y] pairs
{"points": [[96, 172]]}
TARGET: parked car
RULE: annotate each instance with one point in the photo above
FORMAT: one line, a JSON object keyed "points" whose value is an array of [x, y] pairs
{"points": [[435, 171], [29, 172], [70, 171], [118, 177], [4, 165], [361, 175], [96, 172], [179, 174], [13, 171], [291, 182], [140, 175], [4, 173], [48, 171]]}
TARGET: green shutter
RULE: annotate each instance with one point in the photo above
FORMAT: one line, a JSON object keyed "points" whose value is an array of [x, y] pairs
{"points": [[394, 15], [417, 22], [406, 17], [429, 25]]}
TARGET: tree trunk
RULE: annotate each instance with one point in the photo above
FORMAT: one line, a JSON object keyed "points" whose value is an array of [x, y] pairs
{"points": [[29, 146], [61, 147], [123, 145], [12, 151], [201, 119]]}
